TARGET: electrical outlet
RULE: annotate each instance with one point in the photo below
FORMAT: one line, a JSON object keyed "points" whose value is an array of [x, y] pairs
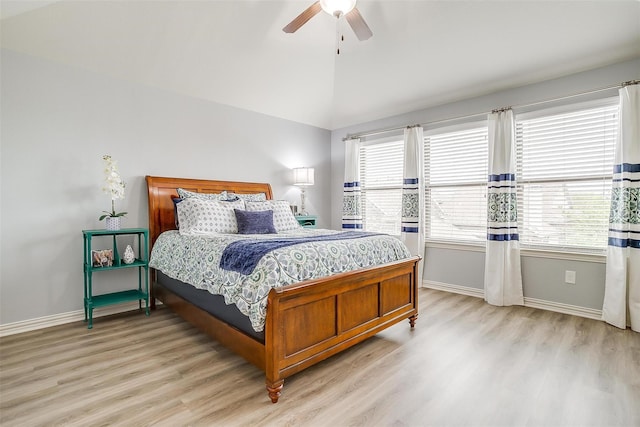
{"points": [[570, 277]]}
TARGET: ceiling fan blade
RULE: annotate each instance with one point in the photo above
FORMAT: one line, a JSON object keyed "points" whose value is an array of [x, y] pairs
{"points": [[302, 19], [362, 30]]}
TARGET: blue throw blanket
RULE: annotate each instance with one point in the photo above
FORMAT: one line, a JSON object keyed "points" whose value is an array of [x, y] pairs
{"points": [[243, 255]]}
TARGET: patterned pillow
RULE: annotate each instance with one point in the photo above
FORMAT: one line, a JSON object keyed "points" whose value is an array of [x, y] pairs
{"points": [[259, 222], [283, 218], [202, 217], [186, 194], [254, 197]]}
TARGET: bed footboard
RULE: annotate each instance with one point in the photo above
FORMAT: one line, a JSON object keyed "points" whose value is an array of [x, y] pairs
{"points": [[310, 321]]}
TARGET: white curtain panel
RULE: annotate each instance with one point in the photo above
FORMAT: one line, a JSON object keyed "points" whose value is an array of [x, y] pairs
{"points": [[412, 225], [502, 272], [351, 200], [622, 282]]}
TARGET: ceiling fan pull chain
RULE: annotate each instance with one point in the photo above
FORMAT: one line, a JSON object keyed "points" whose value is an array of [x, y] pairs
{"points": [[339, 34]]}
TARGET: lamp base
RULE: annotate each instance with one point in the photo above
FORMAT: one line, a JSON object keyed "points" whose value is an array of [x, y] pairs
{"points": [[302, 211]]}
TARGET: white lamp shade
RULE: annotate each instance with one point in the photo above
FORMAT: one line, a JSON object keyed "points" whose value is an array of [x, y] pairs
{"points": [[303, 176], [341, 6]]}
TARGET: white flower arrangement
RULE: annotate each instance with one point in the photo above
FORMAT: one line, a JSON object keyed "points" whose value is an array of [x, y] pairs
{"points": [[114, 186]]}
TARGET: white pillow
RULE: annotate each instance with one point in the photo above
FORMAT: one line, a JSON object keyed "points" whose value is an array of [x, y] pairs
{"points": [[283, 219], [201, 217], [186, 194], [253, 197]]}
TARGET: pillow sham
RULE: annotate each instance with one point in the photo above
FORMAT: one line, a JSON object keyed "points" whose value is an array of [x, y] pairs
{"points": [[283, 219], [176, 200], [255, 222], [253, 197], [186, 194], [201, 217]]}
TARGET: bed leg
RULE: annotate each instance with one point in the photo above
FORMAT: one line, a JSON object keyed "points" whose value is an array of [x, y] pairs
{"points": [[274, 390], [412, 320]]}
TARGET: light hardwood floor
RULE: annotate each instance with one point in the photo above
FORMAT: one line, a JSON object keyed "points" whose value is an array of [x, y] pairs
{"points": [[466, 363]]}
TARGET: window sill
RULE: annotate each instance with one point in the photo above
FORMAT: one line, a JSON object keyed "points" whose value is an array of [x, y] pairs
{"points": [[570, 256], [525, 252], [457, 246]]}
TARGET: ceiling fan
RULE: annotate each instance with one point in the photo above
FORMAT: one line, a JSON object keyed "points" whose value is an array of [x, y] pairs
{"points": [[337, 8]]}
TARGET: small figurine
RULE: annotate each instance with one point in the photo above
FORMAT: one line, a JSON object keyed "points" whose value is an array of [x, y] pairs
{"points": [[129, 257]]}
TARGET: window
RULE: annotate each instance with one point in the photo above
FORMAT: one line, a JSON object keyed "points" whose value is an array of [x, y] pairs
{"points": [[381, 168], [565, 162], [564, 168], [455, 166]]}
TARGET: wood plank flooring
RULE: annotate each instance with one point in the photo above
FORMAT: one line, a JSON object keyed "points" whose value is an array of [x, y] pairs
{"points": [[466, 363]]}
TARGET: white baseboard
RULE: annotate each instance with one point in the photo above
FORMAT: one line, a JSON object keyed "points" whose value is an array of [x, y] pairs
{"points": [[78, 315], [456, 289], [575, 310], [59, 319]]}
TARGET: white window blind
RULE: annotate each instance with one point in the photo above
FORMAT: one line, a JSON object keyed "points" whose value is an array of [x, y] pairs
{"points": [[381, 183], [565, 162], [456, 185]]}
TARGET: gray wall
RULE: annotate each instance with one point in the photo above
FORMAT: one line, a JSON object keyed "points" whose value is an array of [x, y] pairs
{"points": [[543, 278], [58, 121]]}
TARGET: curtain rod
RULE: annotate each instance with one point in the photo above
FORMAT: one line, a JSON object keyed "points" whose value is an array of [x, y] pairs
{"points": [[391, 129]]}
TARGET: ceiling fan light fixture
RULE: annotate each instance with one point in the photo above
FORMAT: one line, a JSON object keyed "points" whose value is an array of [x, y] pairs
{"points": [[337, 7]]}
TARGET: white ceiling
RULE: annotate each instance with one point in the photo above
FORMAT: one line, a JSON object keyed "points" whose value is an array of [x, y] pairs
{"points": [[423, 53]]}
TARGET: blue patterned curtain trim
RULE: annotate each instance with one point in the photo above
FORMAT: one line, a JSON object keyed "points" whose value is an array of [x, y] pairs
{"points": [[352, 184], [624, 243], [505, 227], [625, 207], [501, 208], [626, 172], [503, 237], [502, 177], [625, 179], [500, 186], [352, 226], [613, 230], [626, 167], [409, 181]]}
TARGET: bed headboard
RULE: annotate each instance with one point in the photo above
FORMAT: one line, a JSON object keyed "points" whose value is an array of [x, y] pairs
{"points": [[162, 190]]}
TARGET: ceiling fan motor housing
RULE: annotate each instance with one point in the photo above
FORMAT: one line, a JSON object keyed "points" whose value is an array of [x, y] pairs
{"points": [[337, 7]]}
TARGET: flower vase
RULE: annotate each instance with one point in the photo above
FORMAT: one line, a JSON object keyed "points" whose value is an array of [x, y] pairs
{"points": [[113, 223]]}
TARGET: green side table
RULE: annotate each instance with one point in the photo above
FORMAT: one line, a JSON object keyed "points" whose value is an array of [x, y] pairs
{"points": [[307, 221], [94, 262]]}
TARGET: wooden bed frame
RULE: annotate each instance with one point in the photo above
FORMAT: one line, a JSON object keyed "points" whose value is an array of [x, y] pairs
{"points": [[305, 322]]}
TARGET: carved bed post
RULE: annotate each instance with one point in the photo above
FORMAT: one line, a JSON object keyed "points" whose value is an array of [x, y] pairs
{"points": [[272, 344], [416, 283], [412, 320], [275, 390]]}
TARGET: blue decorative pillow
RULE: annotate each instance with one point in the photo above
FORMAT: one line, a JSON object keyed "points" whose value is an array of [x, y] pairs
{"points": [[283, 218], [176, 200], [258, 222]]}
